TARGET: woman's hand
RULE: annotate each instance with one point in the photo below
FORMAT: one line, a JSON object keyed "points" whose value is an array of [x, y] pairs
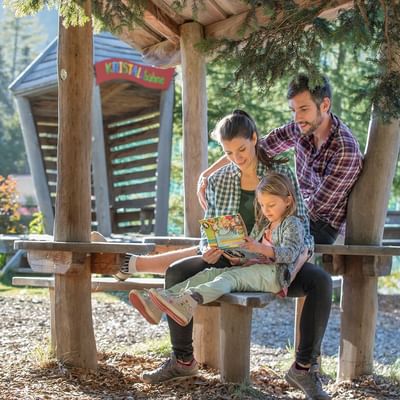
{"points": [[201, 191], [212, 255]]}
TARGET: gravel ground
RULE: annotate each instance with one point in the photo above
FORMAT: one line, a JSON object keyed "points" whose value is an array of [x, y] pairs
{"points": [[25, 330]]}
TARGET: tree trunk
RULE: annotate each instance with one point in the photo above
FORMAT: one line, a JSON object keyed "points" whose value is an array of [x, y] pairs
{"points": [[75, 343]]}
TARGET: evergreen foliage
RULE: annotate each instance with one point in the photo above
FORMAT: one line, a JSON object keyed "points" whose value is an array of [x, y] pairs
{"points": [[17, 49], [292, 41]]}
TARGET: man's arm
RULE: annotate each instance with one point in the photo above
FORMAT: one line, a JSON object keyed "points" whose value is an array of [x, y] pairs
{"points": [[279, 139], [341, 174], [202, 182]]}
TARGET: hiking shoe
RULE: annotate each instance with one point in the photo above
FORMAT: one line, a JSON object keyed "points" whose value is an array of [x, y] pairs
{"points": [[179, 307], [127, 268], [170, 370], [141, 301], [308, 382]]}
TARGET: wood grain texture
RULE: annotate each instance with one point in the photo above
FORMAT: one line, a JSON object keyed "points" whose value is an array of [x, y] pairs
{"points": [[195, 140]]}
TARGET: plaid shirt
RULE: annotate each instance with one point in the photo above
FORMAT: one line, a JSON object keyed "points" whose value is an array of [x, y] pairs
{"points": [[223, 195], [326, 175]]}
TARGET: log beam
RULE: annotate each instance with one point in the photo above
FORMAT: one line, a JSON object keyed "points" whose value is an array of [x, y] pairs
{"points": [[194, 105], [365, 226], [75, 342]]}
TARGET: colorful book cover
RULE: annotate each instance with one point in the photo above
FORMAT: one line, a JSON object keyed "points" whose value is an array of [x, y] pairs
{"points": [[224, 232]]}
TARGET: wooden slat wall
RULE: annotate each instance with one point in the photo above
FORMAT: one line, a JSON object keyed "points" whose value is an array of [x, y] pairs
{"points": [[132, 156], [131, 129]]}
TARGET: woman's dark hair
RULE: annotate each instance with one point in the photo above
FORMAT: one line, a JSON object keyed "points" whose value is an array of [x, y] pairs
{"points": [[241, 124]]}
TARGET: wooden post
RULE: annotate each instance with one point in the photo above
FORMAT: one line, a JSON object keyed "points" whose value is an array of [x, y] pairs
{"points": [[99, 163], [194, 105], [75, 343], [206, 331], [235, 343], [164, 160], [365, 222], [36, 165]]}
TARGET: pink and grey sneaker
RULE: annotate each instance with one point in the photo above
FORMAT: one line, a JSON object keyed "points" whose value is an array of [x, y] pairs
{"points": [[141, 301], [180, 307]]}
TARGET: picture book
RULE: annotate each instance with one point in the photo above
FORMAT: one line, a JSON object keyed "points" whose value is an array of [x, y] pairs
{"points": [[227, 232]]}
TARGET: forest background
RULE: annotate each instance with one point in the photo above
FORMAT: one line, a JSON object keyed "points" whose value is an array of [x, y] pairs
{"points": [[348, 69]]}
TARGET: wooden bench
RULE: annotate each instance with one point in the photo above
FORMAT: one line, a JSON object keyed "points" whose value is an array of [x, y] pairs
{"points": [[217, 330]]}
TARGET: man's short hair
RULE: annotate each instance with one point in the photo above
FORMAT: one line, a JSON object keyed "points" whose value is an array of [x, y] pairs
{"points": [[300, 84]]}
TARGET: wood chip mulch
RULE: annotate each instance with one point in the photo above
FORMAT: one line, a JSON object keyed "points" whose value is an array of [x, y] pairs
{"points": [[26, 374]]}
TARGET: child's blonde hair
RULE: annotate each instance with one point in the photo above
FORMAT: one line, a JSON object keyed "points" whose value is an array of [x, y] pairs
{"points": [[277, 185]]}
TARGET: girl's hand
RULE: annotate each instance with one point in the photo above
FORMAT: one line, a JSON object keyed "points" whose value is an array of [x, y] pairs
{"points": [[252, 245], [212, 255]]}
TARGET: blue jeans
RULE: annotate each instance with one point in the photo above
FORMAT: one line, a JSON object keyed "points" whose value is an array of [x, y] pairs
{"points": [[311, 281]]}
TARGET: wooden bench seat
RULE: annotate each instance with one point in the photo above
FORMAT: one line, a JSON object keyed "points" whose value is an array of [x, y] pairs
{"points": [[218, 327]]}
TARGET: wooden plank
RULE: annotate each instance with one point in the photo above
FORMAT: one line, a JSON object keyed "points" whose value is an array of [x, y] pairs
{"points": [[56, 262], [194, 103], [161, 23], [232, 28], [88, 247], [36, 163], [99, 166], [134, 164], [135, 203], [134, 151], [247, 299], [101, 284], [149, 173], [354, 250], [149, 132], [153, 119], [134, 189], [164, 160]]}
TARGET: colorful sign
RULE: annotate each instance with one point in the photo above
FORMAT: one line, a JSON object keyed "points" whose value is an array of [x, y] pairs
{"points": [[117, 68]]}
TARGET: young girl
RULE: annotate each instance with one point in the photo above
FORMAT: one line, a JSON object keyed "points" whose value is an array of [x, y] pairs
{"points": [[281, 241]]}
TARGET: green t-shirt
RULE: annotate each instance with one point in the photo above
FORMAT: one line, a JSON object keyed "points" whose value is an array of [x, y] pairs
{"points": [[246, 208]]}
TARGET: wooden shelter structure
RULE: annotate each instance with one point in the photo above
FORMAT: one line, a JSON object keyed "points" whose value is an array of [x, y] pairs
{"points": [[167, 37], [131, 131]]}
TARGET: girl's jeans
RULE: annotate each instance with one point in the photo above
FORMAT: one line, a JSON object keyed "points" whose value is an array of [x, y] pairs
{"points": [[212, 283], [311, 281]]}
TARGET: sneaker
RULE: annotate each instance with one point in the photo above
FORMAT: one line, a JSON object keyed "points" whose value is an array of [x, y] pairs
{"points": [[127, 268], [179, 307], [171, 370], [307, 381], [141, 301]]}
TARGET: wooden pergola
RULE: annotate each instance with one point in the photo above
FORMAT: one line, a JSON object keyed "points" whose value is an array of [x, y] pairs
{"points": [[167, 38]]}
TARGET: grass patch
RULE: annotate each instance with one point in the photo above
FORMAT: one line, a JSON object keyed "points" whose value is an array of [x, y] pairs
{"points": [[244, 390], [42, 355], [7, 290], [158, 347]]}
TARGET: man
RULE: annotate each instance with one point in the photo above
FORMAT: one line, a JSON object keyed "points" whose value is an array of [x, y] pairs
{"points": [[328, 157]]}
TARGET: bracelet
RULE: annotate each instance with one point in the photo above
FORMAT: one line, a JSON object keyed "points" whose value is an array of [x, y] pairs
{"points": [[198, 251]]}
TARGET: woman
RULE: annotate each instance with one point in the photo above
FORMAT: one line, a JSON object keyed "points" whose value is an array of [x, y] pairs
{"points": [[231, 190]]}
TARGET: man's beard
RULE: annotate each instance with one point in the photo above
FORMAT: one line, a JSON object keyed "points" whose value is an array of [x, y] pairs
{"points": [[314, 125]]}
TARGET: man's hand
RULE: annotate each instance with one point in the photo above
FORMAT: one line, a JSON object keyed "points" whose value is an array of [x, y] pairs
{"points": [[201, 192]]}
